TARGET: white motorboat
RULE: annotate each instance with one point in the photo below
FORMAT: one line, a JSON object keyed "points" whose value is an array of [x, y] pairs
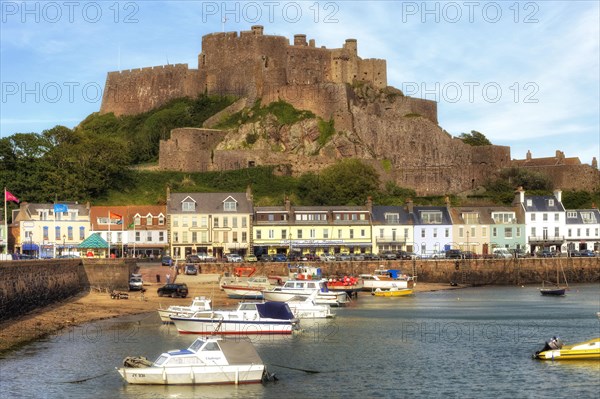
{"points": [[308, 309], [385, 279], [206, 361], [199, 303], [294, 290], [249, 289], [248, 318]]}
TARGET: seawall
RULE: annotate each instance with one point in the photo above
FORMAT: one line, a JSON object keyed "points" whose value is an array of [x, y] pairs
{"points": [[469, 272], [28, 285]]}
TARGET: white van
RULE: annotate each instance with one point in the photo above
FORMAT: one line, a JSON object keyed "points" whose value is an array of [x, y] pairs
{"points": [[502, 253]]}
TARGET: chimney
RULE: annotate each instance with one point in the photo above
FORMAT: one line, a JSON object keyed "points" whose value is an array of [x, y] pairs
{"points": [[370, 204], [519, 195], [528, 156], [558, 195], [288, 205], [409, 205], [249, 196]]}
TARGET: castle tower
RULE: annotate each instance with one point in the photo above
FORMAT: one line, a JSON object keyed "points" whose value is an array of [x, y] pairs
{"points": [[300, 40]]}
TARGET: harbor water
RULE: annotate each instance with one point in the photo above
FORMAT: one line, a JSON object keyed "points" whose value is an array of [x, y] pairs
{"points": [[465, 343]]}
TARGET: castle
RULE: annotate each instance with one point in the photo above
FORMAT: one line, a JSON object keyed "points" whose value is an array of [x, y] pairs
{"points": [[396, 134]]}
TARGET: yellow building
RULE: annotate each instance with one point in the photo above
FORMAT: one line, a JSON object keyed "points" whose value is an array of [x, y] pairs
{"points": [[212, 223], [312, 229]]}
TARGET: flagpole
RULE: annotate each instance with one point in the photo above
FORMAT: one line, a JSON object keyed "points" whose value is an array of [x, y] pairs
{"points": [[5, 250], [108, 236], [122, 237], [54, 240]]}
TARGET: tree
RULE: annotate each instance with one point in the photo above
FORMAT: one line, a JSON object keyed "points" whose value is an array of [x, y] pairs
{"points": [[474, 138]]}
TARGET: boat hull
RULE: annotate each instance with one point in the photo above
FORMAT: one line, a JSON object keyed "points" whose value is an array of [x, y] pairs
{"points": [[323, 298], [215, 325], [589, 350], [243, 292], [195, 375], [393, 293], [552, 291], [371, 285]]}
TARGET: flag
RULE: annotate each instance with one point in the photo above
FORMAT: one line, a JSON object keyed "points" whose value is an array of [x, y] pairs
{"points": [[10, 197], [131, 226], [60, 208], [113, 215]]}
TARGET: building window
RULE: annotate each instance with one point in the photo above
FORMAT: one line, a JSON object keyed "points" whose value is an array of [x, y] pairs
{"points": [[392, 218], [422, 233], [507, 232], [203, 236], [494, 232], [138, 236], [70, 233], [244, 236], [194, 237], [215, 222], [244, 222], [299, 234], [149, 220], [431, 217], [473, 231], [351, 233], [571, 214], [447, 233], [188, 206], [550, 202], [533, 217], [533, 231], [518, 231], [545, 217], [258, 234], [284, 234], [184, 222], [362, 232], [556, 232], [175, 237], [161, 220], [225, 221], [312, 233], [587, 232], [184, 236], [161, 236], [46, 232], [230, 206], [434, 233], [234, 222], [483, 231], [271, 233], [461, 232], [325, 233], [119, 237], [81, 233], [569, 231], [149, 236], [57, 233], [556, 217], [174, 220], [194, 221]]}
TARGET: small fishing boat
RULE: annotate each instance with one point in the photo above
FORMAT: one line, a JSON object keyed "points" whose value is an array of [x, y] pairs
{"points": [[248, 318], [294, 290], [555, 350], [394, 291], [206, 361], [308, 309], [386, 279], [251, 288], [348, 284], [199, 303]]}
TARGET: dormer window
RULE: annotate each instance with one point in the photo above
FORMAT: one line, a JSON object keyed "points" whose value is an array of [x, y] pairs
{"points": [[392, 218], [230, 205], [550, 202], [529, 203], [188, 205]]}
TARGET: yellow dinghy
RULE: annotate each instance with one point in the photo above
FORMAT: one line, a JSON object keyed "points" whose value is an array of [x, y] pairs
{"points": [[394, 291], [555, 350]]}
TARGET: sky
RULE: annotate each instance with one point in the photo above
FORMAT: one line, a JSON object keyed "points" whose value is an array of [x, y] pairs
{"points": [[525, 74]]}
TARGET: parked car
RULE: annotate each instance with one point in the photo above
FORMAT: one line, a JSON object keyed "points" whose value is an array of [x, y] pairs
{"points": [[251, 258], [279, 258], [204, 257], [173, 290], [518, 253], [454, 254], [326, 257], [191, 269], [192, 259], [545, 253], [136, 283], [388, 255], [470, 255], [265, 258], [358, 257], [587, 253], [405, 255], [501, 253], [343, 257], [371, 256], [166, 261], [235, 258]]}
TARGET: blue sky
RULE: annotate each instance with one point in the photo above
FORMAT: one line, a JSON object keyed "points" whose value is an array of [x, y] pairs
{"points": [[526, 74]]}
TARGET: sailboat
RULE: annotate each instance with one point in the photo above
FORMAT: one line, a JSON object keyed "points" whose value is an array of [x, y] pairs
{"points": [[555, 289]]}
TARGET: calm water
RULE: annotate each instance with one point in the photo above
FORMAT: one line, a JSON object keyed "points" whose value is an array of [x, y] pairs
{"points": [[470, 343]]}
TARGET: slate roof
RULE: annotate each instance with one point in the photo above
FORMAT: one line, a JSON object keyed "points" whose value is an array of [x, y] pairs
{"points": [[540, 203], [579, 219], [379, 212], [94, 241], [209, 203], [446, 220]]}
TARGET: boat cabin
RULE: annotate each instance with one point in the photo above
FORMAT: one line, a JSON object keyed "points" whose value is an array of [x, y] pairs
{"points": [[210, 352]]}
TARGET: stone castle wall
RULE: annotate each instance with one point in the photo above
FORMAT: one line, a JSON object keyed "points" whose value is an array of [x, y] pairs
{"points": [[190, 150], [135, 91]]}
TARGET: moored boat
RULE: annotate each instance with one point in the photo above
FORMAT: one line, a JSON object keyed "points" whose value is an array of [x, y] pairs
{"points": [[350, 285], [394, 291], [386, 279], [206, 361], [249, 289], [301, 289], [308, 309], [554, 349], [248, 318], [198, 303]]}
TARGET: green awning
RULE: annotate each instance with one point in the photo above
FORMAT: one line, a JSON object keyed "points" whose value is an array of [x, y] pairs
{"points": [[95, 241]]}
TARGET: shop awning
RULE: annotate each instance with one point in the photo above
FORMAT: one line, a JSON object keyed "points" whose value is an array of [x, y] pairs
{"points": [[28, 246]]}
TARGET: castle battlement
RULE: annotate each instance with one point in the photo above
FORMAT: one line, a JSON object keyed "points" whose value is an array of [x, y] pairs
{"points": [[156, 68]]}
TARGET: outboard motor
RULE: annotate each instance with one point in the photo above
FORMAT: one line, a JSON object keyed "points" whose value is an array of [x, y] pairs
{"points": [[553, 344]]}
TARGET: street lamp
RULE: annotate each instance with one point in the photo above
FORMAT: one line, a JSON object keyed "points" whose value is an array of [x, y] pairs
{"points": [[63, 247]]}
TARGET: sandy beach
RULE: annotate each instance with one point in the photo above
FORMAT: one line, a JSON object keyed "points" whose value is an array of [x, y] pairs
{"points": [[93, 305]]}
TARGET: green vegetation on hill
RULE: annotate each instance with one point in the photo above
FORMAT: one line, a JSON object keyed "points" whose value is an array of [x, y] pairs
{"points": [[96, 162], [284, 112]]}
